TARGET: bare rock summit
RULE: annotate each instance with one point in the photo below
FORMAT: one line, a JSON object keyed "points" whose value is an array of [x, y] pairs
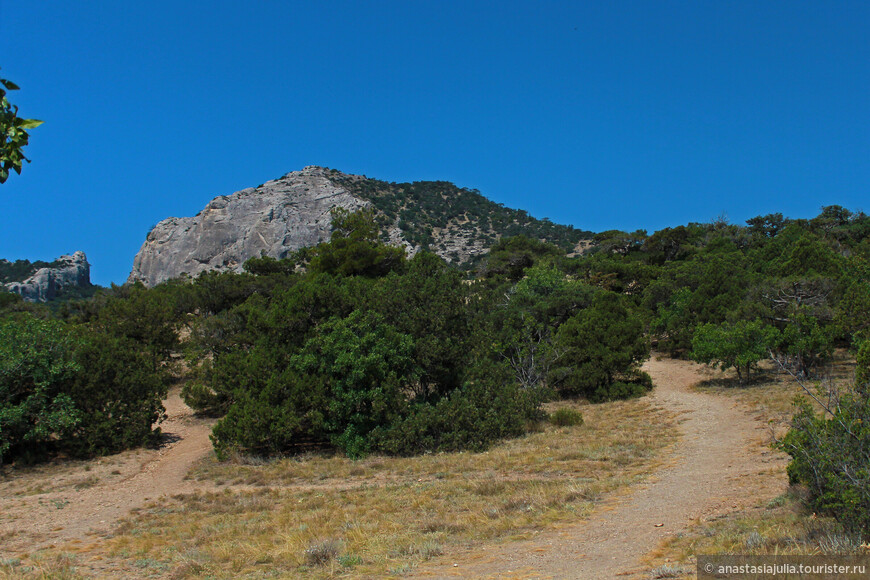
{"points": [[274, 219], [45, 284]]}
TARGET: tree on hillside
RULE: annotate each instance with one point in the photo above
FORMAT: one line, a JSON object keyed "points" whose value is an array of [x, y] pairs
{"points": [[355, 248], [766, 226], [619, 242], [512, 256], [13, 130]]}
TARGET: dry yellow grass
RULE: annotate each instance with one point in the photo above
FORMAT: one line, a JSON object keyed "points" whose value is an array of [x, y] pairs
{"points": [[783, 526], [772, 393], [58, 566], [323, 517]]}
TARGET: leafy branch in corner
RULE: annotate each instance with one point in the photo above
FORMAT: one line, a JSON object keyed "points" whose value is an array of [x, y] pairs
{"points": [[14, 133]]}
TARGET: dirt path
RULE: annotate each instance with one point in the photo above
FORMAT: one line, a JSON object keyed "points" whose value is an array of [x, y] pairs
{"points": [[720, 464], [55, 504]]}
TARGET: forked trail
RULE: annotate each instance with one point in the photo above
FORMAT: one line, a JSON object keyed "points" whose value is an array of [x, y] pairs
{"points": [[721, 463]]}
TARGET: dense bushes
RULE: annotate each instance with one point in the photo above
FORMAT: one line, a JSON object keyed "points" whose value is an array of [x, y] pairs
{"points": [[471, 417], [409, 358], [351, 346], [65, 388], [36, 368], [603, 346], [118, 395], [359, 364]]}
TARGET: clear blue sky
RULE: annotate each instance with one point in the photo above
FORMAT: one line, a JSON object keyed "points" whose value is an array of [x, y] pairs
{"points": [[610, 114]]}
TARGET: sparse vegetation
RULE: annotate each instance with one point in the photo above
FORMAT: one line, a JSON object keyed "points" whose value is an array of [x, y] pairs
{"points": [[20, 270], [382, 513], [424, 207]]}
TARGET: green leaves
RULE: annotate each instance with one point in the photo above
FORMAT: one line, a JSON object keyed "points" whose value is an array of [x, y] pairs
{"points": [[13, 133], [740, 345], [368, 367], [36, 370], [28, 123], [600, 344], [355, 249]]}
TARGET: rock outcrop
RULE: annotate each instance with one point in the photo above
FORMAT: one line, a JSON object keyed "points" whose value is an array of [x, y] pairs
{"points": [[274, 219], [45, 284]]}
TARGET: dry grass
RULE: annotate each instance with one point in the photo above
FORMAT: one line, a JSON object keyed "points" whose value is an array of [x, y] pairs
{"points": [[781, 527], [324, 517], [64, 475], [60, 566], [772, 393]]}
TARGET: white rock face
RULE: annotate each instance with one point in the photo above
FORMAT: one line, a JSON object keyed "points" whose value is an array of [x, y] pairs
{"points": [[47, 282], [274, 219]]}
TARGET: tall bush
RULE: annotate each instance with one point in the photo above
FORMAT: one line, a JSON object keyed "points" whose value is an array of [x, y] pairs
{"points": [[37, 367], [118, 395], [831, 453]]}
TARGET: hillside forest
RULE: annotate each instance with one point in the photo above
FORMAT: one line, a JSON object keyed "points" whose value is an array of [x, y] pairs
{"points": [[351, 347]]}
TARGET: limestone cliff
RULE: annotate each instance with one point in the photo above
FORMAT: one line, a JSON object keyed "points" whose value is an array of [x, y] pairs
{"points": [[45, 284], [275, 218]]}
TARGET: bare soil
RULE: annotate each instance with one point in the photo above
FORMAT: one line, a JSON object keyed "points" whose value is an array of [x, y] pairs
{"points": [[70, 501], [722, 463]]}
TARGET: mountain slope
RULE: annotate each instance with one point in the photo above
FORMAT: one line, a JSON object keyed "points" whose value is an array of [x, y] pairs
{"points": [[284, 215]]}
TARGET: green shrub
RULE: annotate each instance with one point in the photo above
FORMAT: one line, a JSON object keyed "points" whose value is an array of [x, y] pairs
{"points": [[119, 395], [472, 417], [37, 368], [831, 455], [602, 344], [288, 411], [618, 390], [77, 390], [566, 417]]}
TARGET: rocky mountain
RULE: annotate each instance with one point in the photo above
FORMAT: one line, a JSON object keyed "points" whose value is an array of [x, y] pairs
{"points": [[67, 274], [292, 212]]}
